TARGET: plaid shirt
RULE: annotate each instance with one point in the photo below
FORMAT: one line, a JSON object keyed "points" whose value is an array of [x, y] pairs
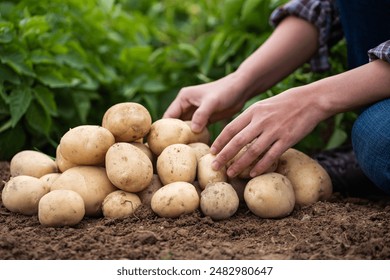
{"points": [[324, 15]]}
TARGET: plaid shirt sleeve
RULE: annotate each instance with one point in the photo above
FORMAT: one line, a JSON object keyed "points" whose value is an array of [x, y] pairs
{"points": [[380, 52], [324, 15]]}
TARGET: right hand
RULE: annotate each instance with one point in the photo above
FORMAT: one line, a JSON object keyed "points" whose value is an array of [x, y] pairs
{"points": [[207, 103]]}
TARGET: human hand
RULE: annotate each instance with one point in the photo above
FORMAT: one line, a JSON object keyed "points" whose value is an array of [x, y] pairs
{"points": [[208, 103], [274, 125]]}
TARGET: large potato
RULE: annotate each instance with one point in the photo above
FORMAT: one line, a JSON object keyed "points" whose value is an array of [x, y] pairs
{"points": [[91, 182], [245, 173], [310, 180], [200, 149], [127, 121], [128, 168], [48, 179], [86, 144], [206, 174], [270, 195], [61, 208], [175, 199], [165, 132], [62, 163], [219, 201], [32, 163], [120, 204], [21, 194], [177, 162]]}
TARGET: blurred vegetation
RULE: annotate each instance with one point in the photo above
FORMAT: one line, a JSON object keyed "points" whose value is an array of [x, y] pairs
{"points": [[64, 63]]}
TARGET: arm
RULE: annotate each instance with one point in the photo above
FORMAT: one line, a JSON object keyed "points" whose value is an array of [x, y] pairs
{"points": [[281, 121], [292, 43]]}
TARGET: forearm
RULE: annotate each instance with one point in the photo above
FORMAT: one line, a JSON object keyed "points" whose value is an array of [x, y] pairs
{"points": [[292, 43], [352, 89]]}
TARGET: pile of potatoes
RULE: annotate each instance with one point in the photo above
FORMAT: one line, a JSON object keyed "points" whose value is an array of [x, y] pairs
{"points": [[111, 169]]}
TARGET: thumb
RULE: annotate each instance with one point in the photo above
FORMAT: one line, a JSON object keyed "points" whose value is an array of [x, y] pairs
{"points": [[201, 117]]}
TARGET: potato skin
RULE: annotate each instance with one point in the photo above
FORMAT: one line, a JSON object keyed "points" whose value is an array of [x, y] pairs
{"points": [[165, 132], [200, 149], [32, 163], [21, 194], [128, 168], [202, 137], [61, 208], [86, 144], [270, 195], [146, 194], [310, 180], [127, 121], [219, 201], [206, 174], [91, 182], [177, 162], [120, 204], [175, 199]]}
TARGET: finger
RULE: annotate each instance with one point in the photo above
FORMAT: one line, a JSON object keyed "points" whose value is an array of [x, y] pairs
{"points": [[254, 151], [270, 156], [201, 116], [233, 147], [174, 110]]}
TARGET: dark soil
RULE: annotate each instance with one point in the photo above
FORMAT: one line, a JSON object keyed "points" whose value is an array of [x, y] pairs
{"points": [[343, 228]]}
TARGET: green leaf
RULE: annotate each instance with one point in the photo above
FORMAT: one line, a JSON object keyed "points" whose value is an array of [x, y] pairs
{"points": [[19, 101], [82, 102], [18, 62], [7, 74], [7, 32], [248, 8], [38, 119], [54, 78], [337, 138], [11, 142], [46, 98]]}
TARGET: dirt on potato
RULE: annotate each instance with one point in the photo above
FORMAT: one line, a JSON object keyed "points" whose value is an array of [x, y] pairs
{"points": [[343, 228]]}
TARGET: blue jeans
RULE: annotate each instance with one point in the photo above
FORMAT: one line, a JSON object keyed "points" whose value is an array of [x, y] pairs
{"points": [[366, 25]]}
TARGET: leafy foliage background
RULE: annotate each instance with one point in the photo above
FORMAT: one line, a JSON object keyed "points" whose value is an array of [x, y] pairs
{"points": [[64, 63]]}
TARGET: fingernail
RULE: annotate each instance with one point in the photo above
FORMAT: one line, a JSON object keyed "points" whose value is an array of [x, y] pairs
{"points": [[231, 173], [195, 127], [213, 150], [253, 174]]}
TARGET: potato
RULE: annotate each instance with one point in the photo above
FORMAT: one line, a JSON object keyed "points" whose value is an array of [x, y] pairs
{"points": [[147, 194], [91, 182], [61, 208], [203, 136], [206, 174], [219, 201], [21, 194], [200, 149], [62, 163], [128, 168], [238, 185], [245, 173], [310, 180], [127, 121], [48, 179], [32, 163], [86, 144], [120, 204], [177, 162], [175, 199], [165, 132], [144, 148], [270, 195]]}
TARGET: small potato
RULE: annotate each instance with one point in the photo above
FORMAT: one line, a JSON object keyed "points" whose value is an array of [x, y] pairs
{"points": [[61, 208], [200, 149], [270, 195], [219, 201], [177, 162], [86, 144], [120, 204], [91, 182], [145, 149], [32, 163], [206, 174], [48, 179], [310, 180], [245, 173], [128, 168], [62, 163], [127, 121], [165, 132], [21, 194], [203, 136], [175, 199], [147, 194]]}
